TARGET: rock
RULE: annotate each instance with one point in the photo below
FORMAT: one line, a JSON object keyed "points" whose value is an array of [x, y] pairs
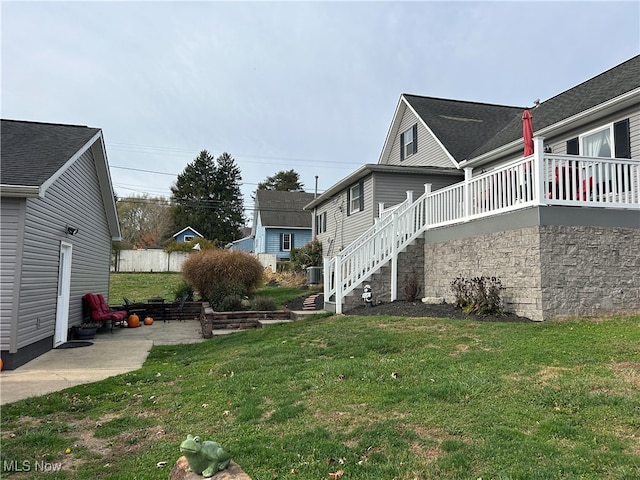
{"points": [[433, 300], [180, 471]]}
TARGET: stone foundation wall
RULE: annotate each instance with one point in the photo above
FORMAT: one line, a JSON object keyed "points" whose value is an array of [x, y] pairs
{"points": [[410, 268], [549, 271], [513, 256], [589, 271]]}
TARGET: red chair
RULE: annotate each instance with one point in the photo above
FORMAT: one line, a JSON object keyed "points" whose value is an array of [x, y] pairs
{"points": [[564, 176], [99, 311]]}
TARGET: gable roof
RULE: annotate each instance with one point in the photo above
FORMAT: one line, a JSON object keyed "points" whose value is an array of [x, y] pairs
{"points": [[461, 126], [283, 209], [614, 83], [35, 154], [188, 228]]}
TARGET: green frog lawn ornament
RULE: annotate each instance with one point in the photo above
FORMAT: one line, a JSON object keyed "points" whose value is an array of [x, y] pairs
{"points": [[205, 458]]}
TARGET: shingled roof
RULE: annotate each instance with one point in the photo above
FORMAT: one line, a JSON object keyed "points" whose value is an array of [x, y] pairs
{"points": [[462, 126], [608, 85], [33, 152], [283, 209]]}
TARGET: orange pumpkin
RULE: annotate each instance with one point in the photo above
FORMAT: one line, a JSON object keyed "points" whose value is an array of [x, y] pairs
{"points": [[1, 364], [148, 321], [133, 321]]}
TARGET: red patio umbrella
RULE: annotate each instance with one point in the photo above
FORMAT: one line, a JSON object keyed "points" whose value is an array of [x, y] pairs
{"points": [[527, 133]]}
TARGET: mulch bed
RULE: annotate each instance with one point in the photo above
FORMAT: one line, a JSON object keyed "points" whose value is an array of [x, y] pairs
{"points": [[416, 309]]}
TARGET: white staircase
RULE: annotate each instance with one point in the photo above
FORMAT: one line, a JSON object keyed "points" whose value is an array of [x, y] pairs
{"points": [[538, 179]]}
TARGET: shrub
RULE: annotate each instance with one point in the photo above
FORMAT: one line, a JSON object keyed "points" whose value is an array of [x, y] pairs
{"points": [[216, 274], [479, 295], [285, 279], [183, 289], [230, 303], [310, 255], [264, 303]]}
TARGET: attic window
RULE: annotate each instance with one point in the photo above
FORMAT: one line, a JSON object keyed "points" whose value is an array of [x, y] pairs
{"points": [[409, 142], [187, 238]]}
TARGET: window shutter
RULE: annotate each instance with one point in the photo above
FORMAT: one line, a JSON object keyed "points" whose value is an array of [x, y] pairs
{"points": [[282, 242], [401, 146], [415, 138], [324, 222], [291, 244], [573, 147], [621, 138], [361, 187], [348, 201]]}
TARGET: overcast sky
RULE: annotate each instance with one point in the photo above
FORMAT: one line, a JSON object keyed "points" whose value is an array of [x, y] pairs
{"points": [[309, 86]]}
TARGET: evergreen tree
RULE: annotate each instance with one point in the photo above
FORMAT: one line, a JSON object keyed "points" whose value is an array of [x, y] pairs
{"points": [[207, 197], [282, 181]]}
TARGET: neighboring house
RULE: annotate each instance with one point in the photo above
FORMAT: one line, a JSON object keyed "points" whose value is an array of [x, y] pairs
{"points": [[58, 219], [186, 235], [280, 222], [244, 244], [560, 228]]}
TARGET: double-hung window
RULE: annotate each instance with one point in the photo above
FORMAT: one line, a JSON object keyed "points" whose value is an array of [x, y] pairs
{"points": [[286, 242], [409, 142], [355, 198], [321, 223]]}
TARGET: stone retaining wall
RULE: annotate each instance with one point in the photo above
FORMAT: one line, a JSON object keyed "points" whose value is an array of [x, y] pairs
{"points": [[211, 320]]}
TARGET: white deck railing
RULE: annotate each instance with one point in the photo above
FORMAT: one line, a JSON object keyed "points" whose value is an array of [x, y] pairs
{"points": [[535, 180]]}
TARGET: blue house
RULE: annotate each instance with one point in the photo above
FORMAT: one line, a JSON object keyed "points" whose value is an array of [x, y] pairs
{"points": [[186, 235], [280, 222]]}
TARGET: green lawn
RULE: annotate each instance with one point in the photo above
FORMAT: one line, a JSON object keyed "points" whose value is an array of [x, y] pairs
{"points": [[376, 397], [138, 287]]}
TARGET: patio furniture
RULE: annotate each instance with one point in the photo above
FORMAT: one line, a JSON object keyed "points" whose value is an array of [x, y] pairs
{"points": [[97, 309], [177, 308], [157, 308], [138, 308]]}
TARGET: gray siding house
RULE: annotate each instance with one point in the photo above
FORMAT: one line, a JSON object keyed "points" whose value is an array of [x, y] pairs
{"points": [[560, 227], [58, 219]]}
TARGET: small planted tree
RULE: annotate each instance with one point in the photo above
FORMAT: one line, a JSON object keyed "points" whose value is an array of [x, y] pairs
{"points": [[218, 274]]}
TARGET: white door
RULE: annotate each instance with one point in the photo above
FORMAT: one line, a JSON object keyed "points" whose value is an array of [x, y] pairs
{"points": [[64, 291]]}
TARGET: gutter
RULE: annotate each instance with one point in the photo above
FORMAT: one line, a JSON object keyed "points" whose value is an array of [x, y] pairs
{"points": [[22, 191]]}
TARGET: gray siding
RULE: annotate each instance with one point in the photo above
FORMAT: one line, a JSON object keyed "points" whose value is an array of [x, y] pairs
{"points": [[391, 189], [342, 229], [11, 220], [558, 144], [74, 199], [429, 153]]}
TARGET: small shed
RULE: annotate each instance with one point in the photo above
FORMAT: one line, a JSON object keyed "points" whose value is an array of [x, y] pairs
{"points": [[58, 219]]}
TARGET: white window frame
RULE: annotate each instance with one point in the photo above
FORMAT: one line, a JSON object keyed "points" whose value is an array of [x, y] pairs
{"points": [[321, 222], [583, 137], [286, 239], [188, 238], [354, 198], [408, 146]]}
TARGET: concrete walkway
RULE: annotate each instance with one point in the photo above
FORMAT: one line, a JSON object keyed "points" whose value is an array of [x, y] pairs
{"points": [[111, 354]]}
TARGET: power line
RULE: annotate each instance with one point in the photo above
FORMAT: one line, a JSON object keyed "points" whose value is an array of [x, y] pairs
{"points": [[138, 148]]}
